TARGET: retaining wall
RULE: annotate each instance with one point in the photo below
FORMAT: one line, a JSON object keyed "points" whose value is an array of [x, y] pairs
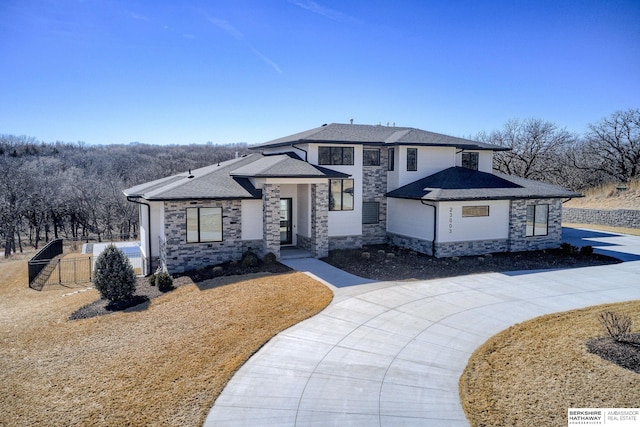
{"points": [[627, 218]]}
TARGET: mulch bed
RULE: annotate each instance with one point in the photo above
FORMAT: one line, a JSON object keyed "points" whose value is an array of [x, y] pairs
{"points": [[386, 262], [625, 354]]}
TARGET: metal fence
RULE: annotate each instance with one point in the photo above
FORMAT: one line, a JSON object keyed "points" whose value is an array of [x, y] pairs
{"points": [[72, 270], [45, 255]]}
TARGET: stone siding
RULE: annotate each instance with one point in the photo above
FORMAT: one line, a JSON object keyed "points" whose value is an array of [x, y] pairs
{"points": [[374, 188], [412, 243], [183, 256], [319, 240], [271, 219], [518, 240], [476, 247], [345, 242], [304, 242], [627, 218], [255, 246]]}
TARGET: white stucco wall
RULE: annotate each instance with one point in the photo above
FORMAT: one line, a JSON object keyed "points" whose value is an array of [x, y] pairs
{"points": [[485, 161], [251, 219], [410, 218], [157, 227], [452, 227], [430, 160]]}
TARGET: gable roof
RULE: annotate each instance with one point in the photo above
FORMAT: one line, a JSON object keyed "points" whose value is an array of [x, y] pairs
{"points": [[338, 133], [285, 166], [228, 180], [458, 183]]}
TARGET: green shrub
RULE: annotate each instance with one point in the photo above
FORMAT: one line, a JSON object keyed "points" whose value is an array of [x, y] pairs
{"points": [[269, 258], [569, 249], [249, 259], [164, 281], [114, 277], [152, 280], [586, 250]]}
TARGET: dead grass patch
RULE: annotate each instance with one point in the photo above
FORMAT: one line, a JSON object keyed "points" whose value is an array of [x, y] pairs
{"points": [[163, 365], [609, 196], [531, 373]]}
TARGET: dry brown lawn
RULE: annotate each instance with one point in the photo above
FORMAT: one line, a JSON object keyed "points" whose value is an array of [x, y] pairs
{"points": [[162, 365], [531, 373], [609, 197]]}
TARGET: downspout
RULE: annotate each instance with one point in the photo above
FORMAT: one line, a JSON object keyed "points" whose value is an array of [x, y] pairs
{"points": [[148, 243], [306, 155], [435, 227]]}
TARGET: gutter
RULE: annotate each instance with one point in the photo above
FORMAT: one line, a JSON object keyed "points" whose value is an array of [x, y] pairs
{"points": [[148, 242], [435, 227]]}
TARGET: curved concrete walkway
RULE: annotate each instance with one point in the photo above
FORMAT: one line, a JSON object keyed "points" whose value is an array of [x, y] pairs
{"points": [[391, 353]]}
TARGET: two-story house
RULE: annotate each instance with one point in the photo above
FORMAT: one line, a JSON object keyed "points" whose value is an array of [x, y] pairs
{"points": [[345, 186]]}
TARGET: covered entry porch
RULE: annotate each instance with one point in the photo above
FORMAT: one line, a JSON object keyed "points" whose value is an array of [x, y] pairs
{"points": [[295, 214]]}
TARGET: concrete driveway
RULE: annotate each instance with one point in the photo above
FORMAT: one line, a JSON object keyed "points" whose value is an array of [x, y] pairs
{"points": [[391, 353]]}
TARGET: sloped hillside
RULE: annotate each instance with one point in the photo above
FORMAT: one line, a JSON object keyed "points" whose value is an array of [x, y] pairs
{"points": [[611, 196]]}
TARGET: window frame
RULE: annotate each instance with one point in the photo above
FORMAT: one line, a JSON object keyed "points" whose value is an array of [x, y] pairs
{"points": [[413, 166], [364, 211], [391, 163], [532, 230], [199, 229], [342, 193], [329, 155], [472, 211], [376, 158], [473, 159]]}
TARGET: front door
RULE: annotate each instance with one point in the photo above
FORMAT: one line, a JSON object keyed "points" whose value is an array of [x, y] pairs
{"points": [[286, 222]]}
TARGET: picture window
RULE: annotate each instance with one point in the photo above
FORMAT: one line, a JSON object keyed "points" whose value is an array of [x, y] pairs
{"points": [[204, 225]]}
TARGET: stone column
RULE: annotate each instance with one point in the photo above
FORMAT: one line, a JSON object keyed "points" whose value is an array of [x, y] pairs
{"points": [[271, 218], [320, 220]]}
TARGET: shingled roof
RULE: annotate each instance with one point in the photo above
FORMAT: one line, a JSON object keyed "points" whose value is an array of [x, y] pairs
{"points": [[458, 183], [376, 135], [228, 180], [285, 166]]}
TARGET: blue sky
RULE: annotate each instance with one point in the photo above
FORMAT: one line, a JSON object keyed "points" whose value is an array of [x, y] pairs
{"points": [[165, 72]]}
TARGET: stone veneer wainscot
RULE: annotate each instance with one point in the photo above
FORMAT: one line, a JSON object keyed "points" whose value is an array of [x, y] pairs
{"points": [[183, 256]]}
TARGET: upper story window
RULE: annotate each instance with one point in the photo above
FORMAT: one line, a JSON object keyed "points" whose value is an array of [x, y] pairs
{"points": [[335, 155], [204, 225], [412, 159], [470, 161], [340, 194], [392, 159], [371, 157]]}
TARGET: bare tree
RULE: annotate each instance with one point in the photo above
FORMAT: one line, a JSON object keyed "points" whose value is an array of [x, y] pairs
{"points": [[535, 146], [612, 147]]}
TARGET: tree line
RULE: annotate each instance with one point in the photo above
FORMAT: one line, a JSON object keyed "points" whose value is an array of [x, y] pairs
{"points": [[74, 190], [609, 151]]}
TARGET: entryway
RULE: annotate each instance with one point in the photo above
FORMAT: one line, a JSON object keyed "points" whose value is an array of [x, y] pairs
{"points": [[286, 221]]}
